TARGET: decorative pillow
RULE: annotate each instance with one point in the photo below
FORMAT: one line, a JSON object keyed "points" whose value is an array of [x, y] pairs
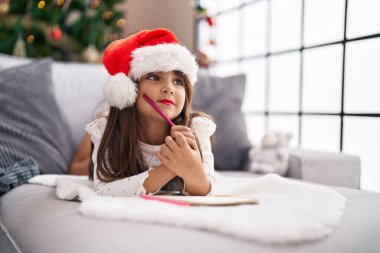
{"points": [[31, 124], [17, 174], [7, 61], [77, 89], [222, 98]]}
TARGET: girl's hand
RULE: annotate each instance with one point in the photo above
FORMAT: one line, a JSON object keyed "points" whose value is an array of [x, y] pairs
{"points": [[180, 154], [186, 131]]}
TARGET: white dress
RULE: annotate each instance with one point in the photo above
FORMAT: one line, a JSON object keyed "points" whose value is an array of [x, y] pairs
{"points": [[202, 127]]}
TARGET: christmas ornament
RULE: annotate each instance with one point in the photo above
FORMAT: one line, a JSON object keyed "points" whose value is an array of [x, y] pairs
{"points": [[73, 17], [41, 4], [210, 20], [60, 2], [56, 33], [19, 49], [95, 4], [91, 54], [30, 38], [107, 15], [4, 7], [121, 22]]}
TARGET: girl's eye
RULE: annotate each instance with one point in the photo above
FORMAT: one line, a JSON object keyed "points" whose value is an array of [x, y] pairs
{"points": [[179, 82], [153, 77]]}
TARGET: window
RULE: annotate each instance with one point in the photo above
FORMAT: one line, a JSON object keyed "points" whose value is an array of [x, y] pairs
{"points": [[322, 79], [324, 21], [312, 70]]}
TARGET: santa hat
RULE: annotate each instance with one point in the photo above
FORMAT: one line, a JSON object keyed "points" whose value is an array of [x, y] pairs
{"points": [[127, 60]]}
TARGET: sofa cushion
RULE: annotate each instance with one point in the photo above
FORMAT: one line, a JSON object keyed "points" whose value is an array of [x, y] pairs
{"points": [[222, 98], [39, 222], [31, 124], [77, 89]]}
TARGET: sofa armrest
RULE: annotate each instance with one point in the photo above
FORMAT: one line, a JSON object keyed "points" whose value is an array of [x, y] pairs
{"points": [[324, 167]]}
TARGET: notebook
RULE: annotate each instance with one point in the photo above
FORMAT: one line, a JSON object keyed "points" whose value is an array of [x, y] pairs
{"points": [[221, 200]]}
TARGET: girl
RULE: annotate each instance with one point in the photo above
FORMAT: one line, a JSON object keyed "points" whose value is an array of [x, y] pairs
{"points": [[134, 150]]}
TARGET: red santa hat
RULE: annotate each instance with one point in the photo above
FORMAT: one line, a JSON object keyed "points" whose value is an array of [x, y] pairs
{"points": [[127, 60]]}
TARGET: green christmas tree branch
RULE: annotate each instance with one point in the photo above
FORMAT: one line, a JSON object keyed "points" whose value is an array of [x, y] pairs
{"points": [[66, 43]]}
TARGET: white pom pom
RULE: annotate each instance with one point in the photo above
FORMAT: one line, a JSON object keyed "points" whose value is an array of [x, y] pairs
{"points": [[120, 91]]}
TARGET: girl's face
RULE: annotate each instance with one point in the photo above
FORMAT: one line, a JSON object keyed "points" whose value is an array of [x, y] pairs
{"points": [[167, 91]]}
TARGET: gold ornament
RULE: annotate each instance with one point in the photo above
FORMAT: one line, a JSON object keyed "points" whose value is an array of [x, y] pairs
{"points": [[19, 49], [60, 2], [91, 54], [41, 4], [107, 15], [30, 38], [95, 4], [4, 8], [121, 22]]}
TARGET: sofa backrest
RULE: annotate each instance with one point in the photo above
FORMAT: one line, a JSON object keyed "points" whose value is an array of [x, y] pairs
{"points": [[78, 89]]}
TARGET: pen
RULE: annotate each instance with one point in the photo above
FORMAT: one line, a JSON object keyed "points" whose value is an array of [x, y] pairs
{"points": [[169, 201], [158, 110]]}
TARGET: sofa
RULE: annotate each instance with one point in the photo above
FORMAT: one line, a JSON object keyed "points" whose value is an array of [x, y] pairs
{"points": [[33, 219]]}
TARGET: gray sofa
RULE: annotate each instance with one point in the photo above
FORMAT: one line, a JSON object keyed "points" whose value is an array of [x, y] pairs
{"points": [[33, 219]]}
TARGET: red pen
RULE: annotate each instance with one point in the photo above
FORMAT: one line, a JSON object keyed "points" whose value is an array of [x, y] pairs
{"points": [[158, 110], [169, 201]]}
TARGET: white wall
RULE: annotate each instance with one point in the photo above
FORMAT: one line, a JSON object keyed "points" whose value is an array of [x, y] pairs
{"points": [[176, 15]]}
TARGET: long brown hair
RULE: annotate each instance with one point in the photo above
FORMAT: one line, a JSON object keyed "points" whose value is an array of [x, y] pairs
{"points": [[119, 155]]}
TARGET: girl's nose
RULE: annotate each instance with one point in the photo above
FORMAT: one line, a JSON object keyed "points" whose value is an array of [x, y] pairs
{"points": [[168, 88]]}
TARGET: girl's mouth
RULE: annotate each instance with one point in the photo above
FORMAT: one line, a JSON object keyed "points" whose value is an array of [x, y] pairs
{"points": [[166, 102]]}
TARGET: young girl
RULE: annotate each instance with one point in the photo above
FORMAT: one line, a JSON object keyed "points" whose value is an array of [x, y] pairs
{"points": [[134, 150]]}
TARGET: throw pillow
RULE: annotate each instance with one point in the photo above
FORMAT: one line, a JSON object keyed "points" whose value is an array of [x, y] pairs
{"points": [[77, 93], [222, 98], [17, 174], [31, 124]]}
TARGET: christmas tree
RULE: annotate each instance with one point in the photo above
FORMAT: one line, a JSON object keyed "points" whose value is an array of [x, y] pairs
{"points": [[63, 29]]}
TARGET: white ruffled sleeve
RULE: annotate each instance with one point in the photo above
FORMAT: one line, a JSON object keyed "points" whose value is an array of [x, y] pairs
{"points": [[203, 128], [96, 129], [126, 187]]}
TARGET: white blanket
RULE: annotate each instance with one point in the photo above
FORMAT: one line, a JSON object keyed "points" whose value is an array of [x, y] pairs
{"points": [[288, 211]]}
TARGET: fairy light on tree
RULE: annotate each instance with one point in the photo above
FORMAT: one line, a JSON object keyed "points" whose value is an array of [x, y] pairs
{"points": [[64, 29]]}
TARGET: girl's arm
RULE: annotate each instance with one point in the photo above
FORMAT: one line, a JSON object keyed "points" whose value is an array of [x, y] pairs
{"points": [[181, 155], [143, 183], [79, 164], [199, 175], [158, 177]]}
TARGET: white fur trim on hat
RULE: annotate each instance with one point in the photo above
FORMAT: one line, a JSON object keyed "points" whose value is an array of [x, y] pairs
{"points": [[163, 57], [120, 91]]}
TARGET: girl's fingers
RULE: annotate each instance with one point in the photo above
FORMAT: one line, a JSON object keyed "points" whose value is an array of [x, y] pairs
{"points": [[180, 128], [171, 143], [165, 150], [192, 143], [183, 130], [188, 135], [163, 159], [180, 139]]}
